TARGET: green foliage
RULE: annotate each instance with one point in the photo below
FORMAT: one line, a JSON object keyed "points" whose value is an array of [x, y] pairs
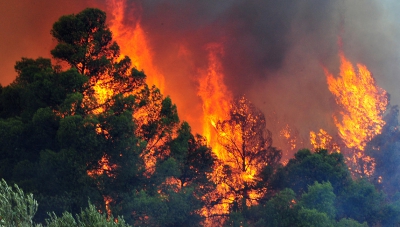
{"points": [[391, 214], [53, 144], [84, 41], [313, 218], [361, 202], [384, 148], [39, 85], [11, 149], [16, 208], [169, 209], [236, 219], [347, 222], [321, 198], [182, 207], [281, 210], [148, 210], [88, 217], [194, 158], [308, 167], [165, 169], [10, 101]]}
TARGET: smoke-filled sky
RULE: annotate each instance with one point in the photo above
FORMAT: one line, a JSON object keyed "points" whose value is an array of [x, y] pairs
{"points": [[273, 51]]}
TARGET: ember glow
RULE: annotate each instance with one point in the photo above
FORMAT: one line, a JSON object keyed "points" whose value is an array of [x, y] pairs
{"points": [[104, 167], [289, 135]]}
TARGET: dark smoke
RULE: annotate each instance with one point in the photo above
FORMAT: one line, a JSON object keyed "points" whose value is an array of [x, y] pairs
{"points": [[273, 50]]}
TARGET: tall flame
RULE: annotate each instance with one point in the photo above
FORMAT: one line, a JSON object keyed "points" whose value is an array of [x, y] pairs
{"points": [[217, 103], [133, 43], [363, 104], [215, 96]]}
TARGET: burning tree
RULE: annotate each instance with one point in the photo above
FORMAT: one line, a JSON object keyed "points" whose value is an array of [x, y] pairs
{"points": [[248, 156], [139, 145], [362, 105]]}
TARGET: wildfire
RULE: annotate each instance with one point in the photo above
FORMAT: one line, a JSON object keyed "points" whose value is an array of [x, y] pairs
{"points": [[289, 136], [233, 172], [104, 167], [362, 101], [322, 140], [363, 104], [214, 94], [216, 101], [133, 43]]}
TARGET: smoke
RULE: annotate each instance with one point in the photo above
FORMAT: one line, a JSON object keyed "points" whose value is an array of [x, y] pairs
{"points": [[273, 50], [25, 30]]}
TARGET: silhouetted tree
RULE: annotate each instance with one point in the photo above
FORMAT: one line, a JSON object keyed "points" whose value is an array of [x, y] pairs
{"points": [[248, 149]]}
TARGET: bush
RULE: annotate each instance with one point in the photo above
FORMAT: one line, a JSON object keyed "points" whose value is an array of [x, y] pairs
{"points": [[16, 208]]}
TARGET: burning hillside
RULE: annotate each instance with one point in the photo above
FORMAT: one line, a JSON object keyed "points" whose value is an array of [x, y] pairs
{"points": [[272, 51], [256, 79]]}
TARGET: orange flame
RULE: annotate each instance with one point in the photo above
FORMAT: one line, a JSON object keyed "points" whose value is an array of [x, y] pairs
{"points": [[322, 140], [363, 104], [133, 43], [289, 136], [104, 167], [217, 102], [215, 95], [362, 101]]}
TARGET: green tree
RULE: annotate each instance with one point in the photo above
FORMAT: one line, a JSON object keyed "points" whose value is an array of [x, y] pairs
{"points": [[88, 217], [195, 159], [135, 130], [281, 210], [362, 202], [320, 197], [16, 208], [307, 167], [313, 218], [85, 42], [11, 145], [64, 143], [175, 191], [346, 222]]}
